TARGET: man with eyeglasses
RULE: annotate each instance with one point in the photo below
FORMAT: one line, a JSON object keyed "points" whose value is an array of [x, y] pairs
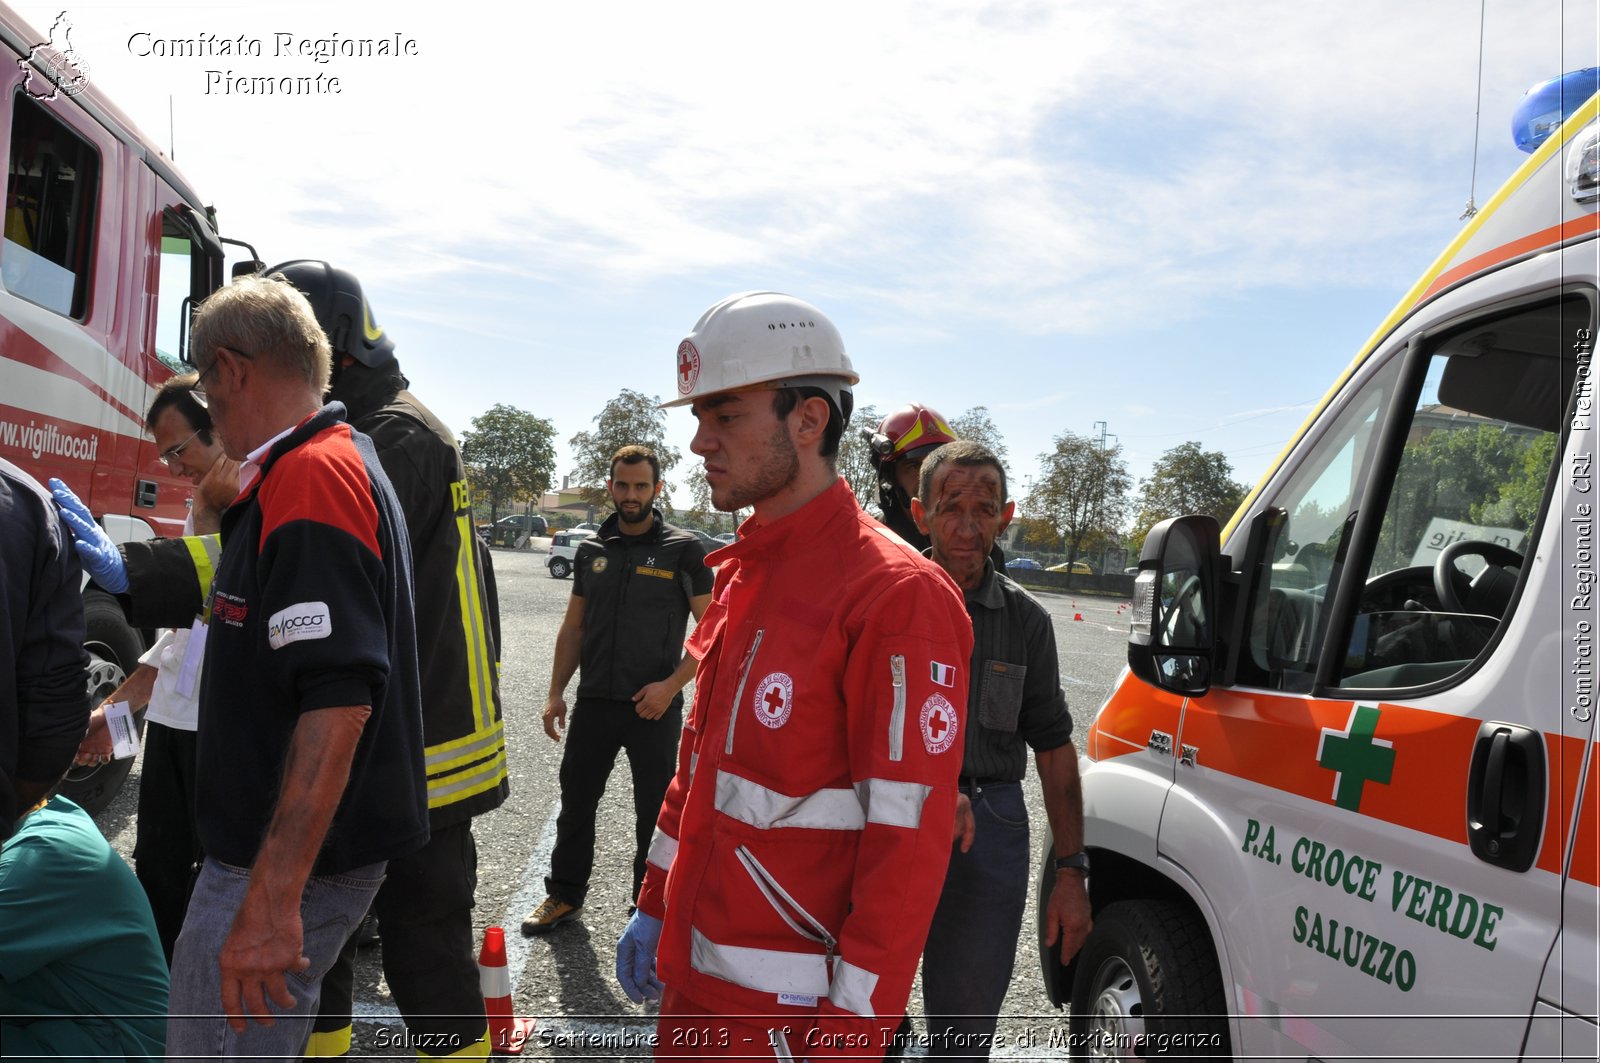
{"points": [[310, 768], [166, 849]]}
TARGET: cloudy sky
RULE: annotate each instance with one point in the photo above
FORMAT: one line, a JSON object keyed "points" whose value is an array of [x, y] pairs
{"points": [[1179, 219]]}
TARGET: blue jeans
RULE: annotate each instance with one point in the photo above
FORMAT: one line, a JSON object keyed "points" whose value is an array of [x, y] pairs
{"points": [[331, 907], [972, 942]]}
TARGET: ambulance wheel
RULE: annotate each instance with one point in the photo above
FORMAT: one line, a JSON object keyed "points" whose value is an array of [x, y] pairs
{"points": [[114, 650], [1147, 985], [559, 569]]}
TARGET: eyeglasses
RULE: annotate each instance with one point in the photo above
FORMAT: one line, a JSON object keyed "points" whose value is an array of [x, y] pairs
{"points": [[199, 388], [172, 454]]}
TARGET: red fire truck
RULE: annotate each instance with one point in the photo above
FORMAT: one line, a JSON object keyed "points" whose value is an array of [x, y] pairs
{"points": [[106, 250]]}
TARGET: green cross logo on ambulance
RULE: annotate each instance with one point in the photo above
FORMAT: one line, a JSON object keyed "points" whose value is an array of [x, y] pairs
{"points": [[299, 623]]}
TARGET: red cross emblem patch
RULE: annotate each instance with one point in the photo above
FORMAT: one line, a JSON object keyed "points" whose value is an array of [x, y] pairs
{"points": [[688, 367], [774, 700], [938, 724]]}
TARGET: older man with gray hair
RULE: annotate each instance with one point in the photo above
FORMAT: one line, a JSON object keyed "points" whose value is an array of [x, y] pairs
{"points": [[310, 774]]}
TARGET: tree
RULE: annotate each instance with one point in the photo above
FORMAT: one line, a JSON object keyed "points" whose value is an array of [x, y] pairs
{"points": [[702, 512], [509, 454], [855, 455], [630, 418], [1082, 490], [1184, 480], [977, 426]]}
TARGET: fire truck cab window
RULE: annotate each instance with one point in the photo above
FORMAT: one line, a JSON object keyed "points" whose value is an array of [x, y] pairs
{"points": [[51, 196]]}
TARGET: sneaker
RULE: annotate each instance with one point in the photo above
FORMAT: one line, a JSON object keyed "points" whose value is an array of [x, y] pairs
{"points": [[550, 914]]}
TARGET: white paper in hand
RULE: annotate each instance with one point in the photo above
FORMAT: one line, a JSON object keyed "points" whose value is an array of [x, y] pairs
{"points": [[124, 735]]}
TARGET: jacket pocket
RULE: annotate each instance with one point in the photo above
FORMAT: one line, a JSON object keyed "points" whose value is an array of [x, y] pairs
{"points": [[789, 910], [1000, 695]]}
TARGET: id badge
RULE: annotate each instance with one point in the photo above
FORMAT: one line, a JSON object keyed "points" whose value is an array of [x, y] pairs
{"points": [[192, 656], [124, 734]]}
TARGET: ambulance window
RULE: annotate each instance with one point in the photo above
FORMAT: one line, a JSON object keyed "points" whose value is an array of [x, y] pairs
{"points": [[51, 195], [1467, 493], [1286, 618]]}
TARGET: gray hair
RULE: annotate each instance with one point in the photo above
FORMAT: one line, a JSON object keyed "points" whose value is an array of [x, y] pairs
{"points": [[965, 453], [265, 319]]}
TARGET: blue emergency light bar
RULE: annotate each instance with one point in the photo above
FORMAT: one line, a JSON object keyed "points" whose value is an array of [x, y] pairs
{"points": [[1547, 104]]}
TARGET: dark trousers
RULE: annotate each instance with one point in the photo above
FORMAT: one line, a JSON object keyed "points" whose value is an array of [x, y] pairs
{"points": [[424, 912], [972, 942], [166, 849], [599, 729]]}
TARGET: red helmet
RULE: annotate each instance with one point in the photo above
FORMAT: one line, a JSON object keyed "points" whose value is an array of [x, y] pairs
{"points": [[912, 431]]}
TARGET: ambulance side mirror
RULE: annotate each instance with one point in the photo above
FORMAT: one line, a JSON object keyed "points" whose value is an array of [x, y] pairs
{"points": [[1172, 634]]}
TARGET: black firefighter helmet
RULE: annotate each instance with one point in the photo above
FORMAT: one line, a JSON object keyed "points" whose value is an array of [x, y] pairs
{"points": [[342, 310]]}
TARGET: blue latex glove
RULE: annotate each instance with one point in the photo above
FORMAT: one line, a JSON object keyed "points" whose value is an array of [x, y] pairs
{"points": [[636, 958], [95, 548]]}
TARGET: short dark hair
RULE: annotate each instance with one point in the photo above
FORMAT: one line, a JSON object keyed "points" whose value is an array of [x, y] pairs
{"points": [[966, 453], [633, 454], [178, 393], [784, 401]]}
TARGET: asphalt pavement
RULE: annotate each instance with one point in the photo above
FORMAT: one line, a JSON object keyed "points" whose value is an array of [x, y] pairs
{"points": [[565, 980]]}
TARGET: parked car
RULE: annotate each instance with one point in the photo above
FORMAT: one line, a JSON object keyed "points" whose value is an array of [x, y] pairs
{"points": [[726, 537], [1077, 568], [508, 530], [1024, 562], [709, 541], [587, 526], [563, 549]]}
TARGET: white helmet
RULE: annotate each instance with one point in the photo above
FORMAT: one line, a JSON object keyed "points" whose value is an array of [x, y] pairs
{"points": [[763, 339]]}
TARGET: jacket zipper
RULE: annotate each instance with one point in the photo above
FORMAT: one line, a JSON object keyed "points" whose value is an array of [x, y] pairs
{"points": [[897, 718], [738, 695], [774, 893]]}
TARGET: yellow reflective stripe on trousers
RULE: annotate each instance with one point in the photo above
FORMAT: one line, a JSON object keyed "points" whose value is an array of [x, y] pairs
{"points": [[663, 849], [204, 551], [480, 661], [764, 970], [327, 1044], [750, 802]]}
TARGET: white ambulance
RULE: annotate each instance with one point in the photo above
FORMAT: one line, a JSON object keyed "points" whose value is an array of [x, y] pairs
{"points": [[1345, 802]]}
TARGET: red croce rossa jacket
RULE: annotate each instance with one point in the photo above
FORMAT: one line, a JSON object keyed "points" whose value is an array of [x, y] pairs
{"points": [[803, 843]]}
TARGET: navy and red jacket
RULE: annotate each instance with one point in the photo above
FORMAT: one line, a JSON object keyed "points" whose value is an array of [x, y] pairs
{"points": [[311, 609]]}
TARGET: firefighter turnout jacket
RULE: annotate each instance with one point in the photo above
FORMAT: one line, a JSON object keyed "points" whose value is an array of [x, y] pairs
{"points": [[803, 843]]}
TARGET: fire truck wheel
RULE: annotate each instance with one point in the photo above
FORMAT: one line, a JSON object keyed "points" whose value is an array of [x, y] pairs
{"points": [[114, 650], [1147, 985]]}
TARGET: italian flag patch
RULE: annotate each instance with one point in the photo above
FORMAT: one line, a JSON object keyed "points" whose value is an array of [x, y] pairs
{"points": [[942, 674]]}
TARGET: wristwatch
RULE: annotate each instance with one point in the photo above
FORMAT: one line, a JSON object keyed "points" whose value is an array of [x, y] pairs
{"points": [[1078, 860]]}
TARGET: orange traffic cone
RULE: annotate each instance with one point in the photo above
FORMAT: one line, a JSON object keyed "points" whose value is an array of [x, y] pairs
{"points": [[507, 1032]]}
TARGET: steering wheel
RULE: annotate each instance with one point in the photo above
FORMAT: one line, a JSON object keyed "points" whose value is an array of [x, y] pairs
{"points": [[1490, 589]]}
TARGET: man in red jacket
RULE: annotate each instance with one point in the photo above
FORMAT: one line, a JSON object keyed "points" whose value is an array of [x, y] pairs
{"points": [[803, 843]]}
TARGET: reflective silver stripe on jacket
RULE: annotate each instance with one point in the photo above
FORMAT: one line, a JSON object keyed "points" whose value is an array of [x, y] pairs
{"points": [[893, 804], [750, 802], [852, 989], [663, 848], [764, 970]]}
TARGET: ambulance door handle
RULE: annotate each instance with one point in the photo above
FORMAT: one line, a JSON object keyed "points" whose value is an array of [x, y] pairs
{"points": [[1506, 795]]}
